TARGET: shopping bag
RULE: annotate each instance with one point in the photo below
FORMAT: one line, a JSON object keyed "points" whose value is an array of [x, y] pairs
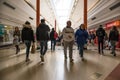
{"points": [[33, 49]]}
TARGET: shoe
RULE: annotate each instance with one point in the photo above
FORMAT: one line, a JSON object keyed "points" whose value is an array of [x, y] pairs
{"points": [[27, 60], [82, 59], [71, 60], [114, 54], [42, 58], [17, 52]]}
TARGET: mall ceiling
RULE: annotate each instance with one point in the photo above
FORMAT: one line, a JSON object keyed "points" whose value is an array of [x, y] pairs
{"points": [[16, 12]]}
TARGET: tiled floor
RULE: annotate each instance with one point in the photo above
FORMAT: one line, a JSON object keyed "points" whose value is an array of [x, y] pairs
{"points": [[95, 66]]}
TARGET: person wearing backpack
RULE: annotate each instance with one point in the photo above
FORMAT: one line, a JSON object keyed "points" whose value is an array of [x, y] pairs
{"points": [[113, 39], [100, 33]]}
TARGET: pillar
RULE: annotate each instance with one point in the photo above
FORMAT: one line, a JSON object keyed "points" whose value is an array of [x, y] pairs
{"points": [[37, 12], [85, 13]]}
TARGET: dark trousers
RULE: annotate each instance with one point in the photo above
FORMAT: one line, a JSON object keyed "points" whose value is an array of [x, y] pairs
{"points": [[81, 48], [17, 48], [53, 43], [43, 47], [28, 44], [100, 46]]}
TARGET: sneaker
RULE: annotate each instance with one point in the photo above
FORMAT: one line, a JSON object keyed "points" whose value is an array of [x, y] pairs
{"points": [[114, 54], [71, 60], [82, 59], [27, 60]]}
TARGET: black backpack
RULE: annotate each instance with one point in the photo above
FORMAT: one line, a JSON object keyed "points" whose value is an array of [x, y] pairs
{"points": [[100, 33]]}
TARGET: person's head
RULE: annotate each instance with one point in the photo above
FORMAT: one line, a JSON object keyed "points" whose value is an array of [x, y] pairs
{"points": [[52, 29], [69, 23], [42, 20], [114, 28], [82, 26], [100, 26], [27, 23], [16, 28]]}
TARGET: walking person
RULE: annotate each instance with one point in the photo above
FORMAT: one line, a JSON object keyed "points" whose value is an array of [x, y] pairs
{"points": [[27, 38], [100, 33], [81, 36], [113, 39], [68, 40], [16, 40], [53, 37], [42, 37]]}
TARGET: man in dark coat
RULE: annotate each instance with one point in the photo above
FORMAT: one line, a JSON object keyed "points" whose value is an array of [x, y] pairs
{"points": [[113, 39], [100, 33], [43, 37]]}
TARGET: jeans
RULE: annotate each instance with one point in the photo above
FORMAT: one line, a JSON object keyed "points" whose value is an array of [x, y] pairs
{"points": [[81, 48], [28, 44], [43, 47], [100, 46], [113, 45], [53, 43]]}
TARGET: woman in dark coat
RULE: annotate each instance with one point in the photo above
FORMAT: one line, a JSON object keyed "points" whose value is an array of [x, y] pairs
{"points": [[81, 35], [27, 37]]}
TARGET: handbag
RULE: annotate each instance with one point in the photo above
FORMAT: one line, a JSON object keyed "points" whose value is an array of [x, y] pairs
{"points": [[33, 49]]}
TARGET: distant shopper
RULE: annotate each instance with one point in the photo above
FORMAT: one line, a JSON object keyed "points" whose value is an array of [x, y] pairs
{"points": [[93, 36], [42, 37], [68, 40], [16, 39], [53, 37], [113, 38], [27, 38], [81, 36], [100, 33]]}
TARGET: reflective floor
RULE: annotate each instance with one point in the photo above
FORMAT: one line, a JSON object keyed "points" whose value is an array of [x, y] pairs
{"points": [[95, 66]]}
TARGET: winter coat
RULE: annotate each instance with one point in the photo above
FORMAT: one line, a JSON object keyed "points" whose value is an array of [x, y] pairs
{"points": [[81, 36], [27, 33], [42, 32], [52, 35]]}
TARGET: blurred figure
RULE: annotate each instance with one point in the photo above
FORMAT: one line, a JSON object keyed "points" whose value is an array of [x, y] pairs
{"points": [[113, 38], [16, 39], [27, 37], [81, 36], [42, 37], [93, 36], [53, 37], [100, 33], [68, 40]]}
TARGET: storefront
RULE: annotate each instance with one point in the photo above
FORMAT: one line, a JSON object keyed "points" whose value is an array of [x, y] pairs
{"points": [[6, 34], [108, 27]]}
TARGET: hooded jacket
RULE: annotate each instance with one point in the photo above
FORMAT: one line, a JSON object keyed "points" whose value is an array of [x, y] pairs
{"points": [[27, 33]]}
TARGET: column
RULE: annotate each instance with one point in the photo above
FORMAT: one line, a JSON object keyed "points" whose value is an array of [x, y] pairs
{"points": [[37, 12], [55, 25], [85, 13]]}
